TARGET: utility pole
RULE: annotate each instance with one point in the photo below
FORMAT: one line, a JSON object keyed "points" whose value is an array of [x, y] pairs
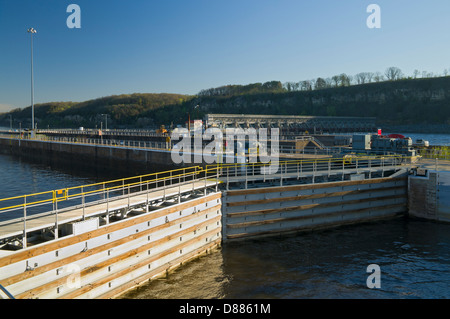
{"points": [[32, 31]]}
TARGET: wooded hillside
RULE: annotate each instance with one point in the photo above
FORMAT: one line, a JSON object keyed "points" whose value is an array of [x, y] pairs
{"points": [[419, 102]]}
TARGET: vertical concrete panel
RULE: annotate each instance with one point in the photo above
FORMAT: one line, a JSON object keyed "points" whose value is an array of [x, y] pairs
{"points": [[422, 200], [443, 196]]}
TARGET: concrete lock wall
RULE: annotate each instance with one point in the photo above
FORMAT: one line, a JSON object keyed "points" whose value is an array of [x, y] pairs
{"points": [[274, 210], [111, 259], [131, 161], [429, 195]]}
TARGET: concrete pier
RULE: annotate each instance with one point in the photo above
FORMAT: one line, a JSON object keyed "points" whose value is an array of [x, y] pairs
{"points": [[429, 195]]}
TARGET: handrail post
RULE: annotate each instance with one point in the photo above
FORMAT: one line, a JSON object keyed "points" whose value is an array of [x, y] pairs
{"points": [[107, 206], [245, 176], [56, 217], [281, 175], [329, 167], [194, 177], [146, 204], [128, 196], [301, 166], [314, 171], [263, 167], [179, 190], [217, 178], [205, 184], [83, 201], [24, 237], [228, 179]]}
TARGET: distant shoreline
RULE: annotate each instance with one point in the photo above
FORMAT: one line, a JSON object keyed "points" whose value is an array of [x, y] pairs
{"points": [[425, 128], [412, 128]]}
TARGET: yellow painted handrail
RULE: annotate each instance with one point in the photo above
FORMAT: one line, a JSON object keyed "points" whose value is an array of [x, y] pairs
{"points": [[67, 193], [346, 160], [194, 171]]}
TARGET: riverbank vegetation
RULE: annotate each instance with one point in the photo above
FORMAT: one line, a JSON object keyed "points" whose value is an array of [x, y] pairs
{"points": [[420, 100]]}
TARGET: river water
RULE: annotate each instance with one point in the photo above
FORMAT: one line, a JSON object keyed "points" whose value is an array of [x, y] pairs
{"points": [[413, 255]]}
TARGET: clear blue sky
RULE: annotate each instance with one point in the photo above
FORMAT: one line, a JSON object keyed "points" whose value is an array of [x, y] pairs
{"points": [[176, 46]]}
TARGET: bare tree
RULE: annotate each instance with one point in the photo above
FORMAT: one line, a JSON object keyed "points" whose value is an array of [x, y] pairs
{"points": [[306, 85], [393, 73], [345, 80], [336, 80], [378, 77], [289, 86], [361, 78], [320, 84]]}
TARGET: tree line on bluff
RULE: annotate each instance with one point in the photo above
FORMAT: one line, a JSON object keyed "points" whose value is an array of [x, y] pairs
{"points": [[392, 97]]}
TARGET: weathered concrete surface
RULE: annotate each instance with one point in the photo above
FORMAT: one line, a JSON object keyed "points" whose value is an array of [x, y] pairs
{"points": [[429, 195]]}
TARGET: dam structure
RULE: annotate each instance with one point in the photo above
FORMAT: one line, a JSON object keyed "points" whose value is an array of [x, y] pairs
{"points": [[103, 239]]}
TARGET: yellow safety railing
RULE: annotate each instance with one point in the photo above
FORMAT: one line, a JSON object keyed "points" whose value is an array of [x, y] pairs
{"points": [[194, 172], [29, 199], [65, 194], [340, 160], [126, 182]]}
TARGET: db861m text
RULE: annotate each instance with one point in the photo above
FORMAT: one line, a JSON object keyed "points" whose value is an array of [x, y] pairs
{"points": [[246, 308]]}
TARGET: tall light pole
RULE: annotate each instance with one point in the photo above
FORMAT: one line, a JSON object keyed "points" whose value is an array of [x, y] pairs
{"points": [[32, 31]]}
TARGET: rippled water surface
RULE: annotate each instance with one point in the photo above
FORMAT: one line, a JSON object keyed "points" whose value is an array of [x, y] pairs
{"points": [[413, 255], [414, 258]]}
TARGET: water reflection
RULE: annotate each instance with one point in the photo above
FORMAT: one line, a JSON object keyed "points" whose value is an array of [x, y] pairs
{"points": [[414, 257]]}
